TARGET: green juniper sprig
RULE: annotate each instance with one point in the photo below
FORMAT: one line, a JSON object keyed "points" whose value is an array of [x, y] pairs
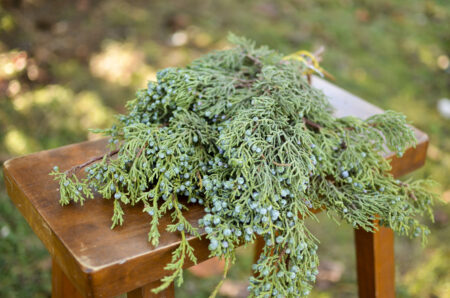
{"points": [[242, 133]]}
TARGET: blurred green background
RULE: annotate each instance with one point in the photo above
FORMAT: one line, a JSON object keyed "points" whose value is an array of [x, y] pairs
{"points": [[66, 66]]}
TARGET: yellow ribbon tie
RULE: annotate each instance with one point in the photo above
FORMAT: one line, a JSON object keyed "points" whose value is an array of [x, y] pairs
{"points": [[312, 65]]}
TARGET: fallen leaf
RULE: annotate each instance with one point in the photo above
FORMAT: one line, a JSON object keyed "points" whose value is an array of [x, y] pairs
{"points": [[235, 289], [329, 272], [214, 266]]}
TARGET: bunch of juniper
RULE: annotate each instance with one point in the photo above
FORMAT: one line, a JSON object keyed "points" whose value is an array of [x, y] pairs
{"points": [[242, 133]]}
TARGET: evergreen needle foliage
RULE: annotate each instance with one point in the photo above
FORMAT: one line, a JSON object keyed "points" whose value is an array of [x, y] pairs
{"points": [[242, 133]]}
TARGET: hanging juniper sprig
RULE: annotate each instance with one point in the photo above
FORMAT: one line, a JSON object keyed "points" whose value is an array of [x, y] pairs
{"points": [[242, 133]]}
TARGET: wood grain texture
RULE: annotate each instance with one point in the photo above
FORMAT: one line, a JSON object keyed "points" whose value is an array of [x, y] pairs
{"points": [[101, 262]]}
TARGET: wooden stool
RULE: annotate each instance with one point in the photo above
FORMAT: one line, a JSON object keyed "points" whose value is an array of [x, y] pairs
{"points": [[91, 260]]}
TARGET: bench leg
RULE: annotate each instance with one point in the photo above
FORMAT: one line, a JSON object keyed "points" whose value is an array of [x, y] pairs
{"points": [[146, 291], [62, 287], [375, 263]]}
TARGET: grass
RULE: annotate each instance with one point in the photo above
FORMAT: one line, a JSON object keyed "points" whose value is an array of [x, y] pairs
{"points": [[70, 66]]}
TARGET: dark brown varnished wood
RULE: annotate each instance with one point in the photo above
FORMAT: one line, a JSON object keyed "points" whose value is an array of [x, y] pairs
{"points": [[61, 286], [375, 263], [101, 262]]}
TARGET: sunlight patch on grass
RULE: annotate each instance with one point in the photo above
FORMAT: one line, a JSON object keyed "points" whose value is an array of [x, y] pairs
{"points": [[119, 63], [17, 143], [91, 112]]}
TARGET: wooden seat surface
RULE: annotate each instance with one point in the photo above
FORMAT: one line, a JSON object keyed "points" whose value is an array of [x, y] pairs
{"points": [[101, 262]]}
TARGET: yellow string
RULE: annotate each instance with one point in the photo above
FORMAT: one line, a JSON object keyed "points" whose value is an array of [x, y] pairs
{"points": [[313, 65]]}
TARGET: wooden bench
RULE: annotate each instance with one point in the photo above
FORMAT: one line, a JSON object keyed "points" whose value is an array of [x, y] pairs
{"points": [[91, 260]]}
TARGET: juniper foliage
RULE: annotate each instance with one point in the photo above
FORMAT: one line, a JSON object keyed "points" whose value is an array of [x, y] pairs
{"points": [[242, 133]]}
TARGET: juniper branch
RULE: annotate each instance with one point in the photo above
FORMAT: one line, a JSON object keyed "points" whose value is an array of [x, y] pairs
{"points": [[76, 168], [242, 133]]}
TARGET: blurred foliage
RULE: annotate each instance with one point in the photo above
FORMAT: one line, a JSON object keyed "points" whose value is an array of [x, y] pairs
{"points": [[67, 66]]}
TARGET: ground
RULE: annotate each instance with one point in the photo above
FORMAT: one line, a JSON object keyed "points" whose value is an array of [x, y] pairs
{"points": [[70, 66]]}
